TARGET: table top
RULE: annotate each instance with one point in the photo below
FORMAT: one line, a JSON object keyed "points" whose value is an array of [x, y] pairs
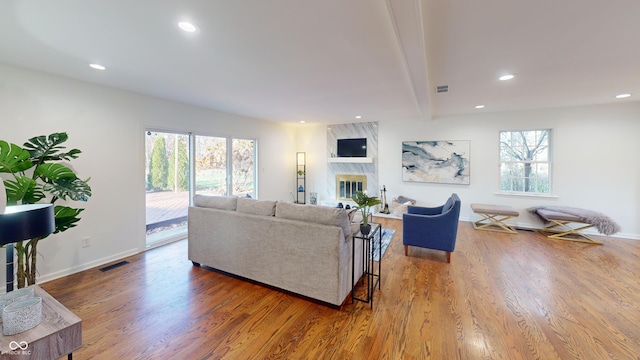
{"points": [[55, 318], [374, 228]]}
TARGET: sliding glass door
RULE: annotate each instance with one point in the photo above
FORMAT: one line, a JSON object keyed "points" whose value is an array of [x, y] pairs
{"points": [[222, 166], [225, 166], [211, 165], [243, 167], [167, 190]]}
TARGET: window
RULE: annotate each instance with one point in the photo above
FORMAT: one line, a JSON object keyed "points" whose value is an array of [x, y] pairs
{"points": [[525, 161], [225, 166]]}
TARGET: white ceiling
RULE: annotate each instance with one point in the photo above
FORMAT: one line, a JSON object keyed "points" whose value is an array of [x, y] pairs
{"points": [[326, 61]]}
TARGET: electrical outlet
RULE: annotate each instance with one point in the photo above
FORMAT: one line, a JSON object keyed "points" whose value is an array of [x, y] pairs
{"points": [[86, 242]]}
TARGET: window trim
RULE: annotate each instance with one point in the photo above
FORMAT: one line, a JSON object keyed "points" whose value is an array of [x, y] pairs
{"points": [[229, 160], [550, 144]]}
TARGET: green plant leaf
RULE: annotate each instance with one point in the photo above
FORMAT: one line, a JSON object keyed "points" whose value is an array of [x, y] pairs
{"points": [[43, 148], [23, 190], [13, 158], [68, 188], [66, 217], [53, 172]]}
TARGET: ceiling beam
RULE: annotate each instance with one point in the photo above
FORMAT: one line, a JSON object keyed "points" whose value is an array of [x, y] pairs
{"points": [[408, 24]]}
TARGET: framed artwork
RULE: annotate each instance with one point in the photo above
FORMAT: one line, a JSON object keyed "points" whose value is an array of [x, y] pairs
{"points": [[444, 162]]}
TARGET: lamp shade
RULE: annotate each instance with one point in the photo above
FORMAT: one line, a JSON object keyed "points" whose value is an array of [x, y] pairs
{"points": [[22, 222]]}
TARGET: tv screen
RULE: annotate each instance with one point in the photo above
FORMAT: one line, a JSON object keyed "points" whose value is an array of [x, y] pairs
{"points": [[352, 147]]}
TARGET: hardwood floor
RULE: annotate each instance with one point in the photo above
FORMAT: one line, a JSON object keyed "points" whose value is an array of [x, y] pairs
{"points": [[502, 296]]}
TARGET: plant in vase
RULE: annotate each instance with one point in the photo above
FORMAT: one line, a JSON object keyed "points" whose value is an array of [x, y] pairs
{"points": [[38, 175], [365, 202]]}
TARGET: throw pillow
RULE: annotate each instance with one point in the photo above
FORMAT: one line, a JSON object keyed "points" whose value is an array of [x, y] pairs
{"points": [[400, 208], [351, 213], [402, 199]]}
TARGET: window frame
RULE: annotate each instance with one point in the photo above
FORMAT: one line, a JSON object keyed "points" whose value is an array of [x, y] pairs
{"points": [[548, 162], [229, 161]]}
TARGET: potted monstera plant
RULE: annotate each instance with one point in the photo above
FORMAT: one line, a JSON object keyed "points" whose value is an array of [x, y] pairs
{"points": [[365, 202], [36, 173]]}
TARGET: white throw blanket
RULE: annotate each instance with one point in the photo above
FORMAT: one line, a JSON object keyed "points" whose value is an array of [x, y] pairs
{"points": [[604, 224]]}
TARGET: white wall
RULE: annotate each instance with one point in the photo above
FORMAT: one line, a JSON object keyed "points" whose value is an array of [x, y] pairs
{"points": [[312, 139], [595, 160], [595, 157], [108, 126]]}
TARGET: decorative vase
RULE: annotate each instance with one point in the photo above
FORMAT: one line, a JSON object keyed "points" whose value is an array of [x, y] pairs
{"points": [[21, 316], [9, 298], [365, 229]]}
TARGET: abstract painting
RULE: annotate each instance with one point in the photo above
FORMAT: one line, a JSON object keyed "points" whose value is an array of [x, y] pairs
{"points": [[445, 162]]}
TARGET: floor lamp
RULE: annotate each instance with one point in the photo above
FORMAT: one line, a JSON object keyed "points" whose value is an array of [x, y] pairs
{"points": [[23, 222]]}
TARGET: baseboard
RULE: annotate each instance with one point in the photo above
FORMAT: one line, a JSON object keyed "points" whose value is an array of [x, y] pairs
{"points": [[87, 266]]}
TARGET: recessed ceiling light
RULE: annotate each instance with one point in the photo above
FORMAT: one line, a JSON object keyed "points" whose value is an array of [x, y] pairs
{"points": [[187, 26], [97, 66], [506, 77], [302, 121], [358, 116], [479, 106], [622, 96]]}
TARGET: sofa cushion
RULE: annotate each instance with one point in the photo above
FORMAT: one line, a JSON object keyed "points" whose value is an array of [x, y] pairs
{"points": [[315, 214], [256, 207], [216, 202]]}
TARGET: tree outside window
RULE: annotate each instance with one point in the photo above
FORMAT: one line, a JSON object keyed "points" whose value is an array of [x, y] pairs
{"points": [[243, 166], [225, 166], [525, 161]]}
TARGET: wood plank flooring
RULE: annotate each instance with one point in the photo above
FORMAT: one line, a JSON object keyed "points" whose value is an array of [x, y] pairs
{"points": [[503, 296]]}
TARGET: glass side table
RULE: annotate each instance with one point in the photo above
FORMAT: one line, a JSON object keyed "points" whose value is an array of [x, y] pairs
{"points": [[370, 275]]}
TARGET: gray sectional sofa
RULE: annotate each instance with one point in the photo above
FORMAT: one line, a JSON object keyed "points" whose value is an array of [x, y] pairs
{"points": [[304, 249]]}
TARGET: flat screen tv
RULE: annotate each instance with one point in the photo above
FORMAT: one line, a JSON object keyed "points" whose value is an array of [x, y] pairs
{"points": [[352, 147]]}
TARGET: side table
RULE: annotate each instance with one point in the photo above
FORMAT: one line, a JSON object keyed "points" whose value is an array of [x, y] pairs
{"points": [[59, 334], [368, 263]]}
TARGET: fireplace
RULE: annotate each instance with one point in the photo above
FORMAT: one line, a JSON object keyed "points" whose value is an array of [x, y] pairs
{"points": [[347, 185]]}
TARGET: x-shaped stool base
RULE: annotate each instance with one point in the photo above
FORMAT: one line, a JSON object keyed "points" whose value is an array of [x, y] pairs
{"points": [[494, 222], [560, 230]]}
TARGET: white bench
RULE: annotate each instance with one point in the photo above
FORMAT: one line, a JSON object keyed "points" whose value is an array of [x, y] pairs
{"points": [[493, 217]]}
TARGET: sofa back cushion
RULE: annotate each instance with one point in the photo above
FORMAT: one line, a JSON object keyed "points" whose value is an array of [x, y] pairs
{"points": [[256, 207], [216, 202], [315, 214]]}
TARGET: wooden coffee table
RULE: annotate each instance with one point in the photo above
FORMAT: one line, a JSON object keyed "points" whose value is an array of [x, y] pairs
{"points": [[59, 333]]}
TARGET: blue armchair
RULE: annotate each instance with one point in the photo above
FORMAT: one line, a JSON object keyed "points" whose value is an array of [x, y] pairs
{"points": [[432, 228]]}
